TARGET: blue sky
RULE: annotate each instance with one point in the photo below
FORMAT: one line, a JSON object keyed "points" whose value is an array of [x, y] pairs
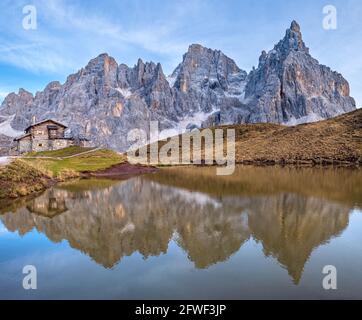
{"points": [[70, 33]]}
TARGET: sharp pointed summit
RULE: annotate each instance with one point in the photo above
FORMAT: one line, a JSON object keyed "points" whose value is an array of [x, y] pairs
{"points": [[291, 87], [295, 26], [293, 41]]}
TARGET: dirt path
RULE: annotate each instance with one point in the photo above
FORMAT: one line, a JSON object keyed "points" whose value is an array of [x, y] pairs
{"points": [[81, 154], [122, 170]]}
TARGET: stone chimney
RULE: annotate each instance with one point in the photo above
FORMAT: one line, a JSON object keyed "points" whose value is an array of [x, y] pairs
{"points": [[33, 120]]}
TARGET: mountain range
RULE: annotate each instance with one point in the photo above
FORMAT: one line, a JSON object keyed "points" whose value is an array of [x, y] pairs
{"points": [[105, 100]]}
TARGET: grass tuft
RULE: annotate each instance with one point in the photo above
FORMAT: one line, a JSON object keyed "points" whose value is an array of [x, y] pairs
{"points": [[21, 179]]}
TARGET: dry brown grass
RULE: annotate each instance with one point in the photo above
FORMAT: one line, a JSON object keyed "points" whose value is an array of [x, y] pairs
{"points": [[20, 179], [334, 141]]}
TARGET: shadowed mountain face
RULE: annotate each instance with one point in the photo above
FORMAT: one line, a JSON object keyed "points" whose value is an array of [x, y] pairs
{"points": [[105, 100], [109, 222]]}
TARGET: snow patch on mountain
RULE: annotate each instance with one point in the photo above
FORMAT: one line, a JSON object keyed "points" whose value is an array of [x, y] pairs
{"points": [[181, 127], [7, 130], [126, 93], [307, 119], [171, 80]]}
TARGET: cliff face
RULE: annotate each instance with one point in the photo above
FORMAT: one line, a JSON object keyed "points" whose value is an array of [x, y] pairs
{"points": [[205, 77], [290, 86], [104, 100]]}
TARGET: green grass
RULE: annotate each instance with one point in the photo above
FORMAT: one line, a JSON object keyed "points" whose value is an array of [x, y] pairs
{"points": [[94, 161], [29, 175], [66, 152]]}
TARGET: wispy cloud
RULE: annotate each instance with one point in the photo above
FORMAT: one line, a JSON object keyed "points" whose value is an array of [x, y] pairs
{"points": [[35, 57], [69, 33]]}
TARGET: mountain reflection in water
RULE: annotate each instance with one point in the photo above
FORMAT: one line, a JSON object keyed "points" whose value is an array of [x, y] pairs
{"points": [[290, 212]]}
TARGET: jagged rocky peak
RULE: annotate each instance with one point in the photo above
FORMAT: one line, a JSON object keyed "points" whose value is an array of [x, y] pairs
{"points": [[97, 80], [23, 93], [292, 42], [143, 72], [101, 71], [122, 76], [203, 67], [147, 73], [290, 86], [54, 85], [48, 97], [101, 64], [16, 102], [50, 90], [141, 76], [293, 39]]}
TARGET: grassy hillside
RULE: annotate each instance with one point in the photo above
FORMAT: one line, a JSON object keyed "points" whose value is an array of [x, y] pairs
{"points": [[334, 141], [36, 173], [66, 167]]}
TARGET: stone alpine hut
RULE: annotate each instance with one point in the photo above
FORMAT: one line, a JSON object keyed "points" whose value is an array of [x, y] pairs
{"points": [[46, 135]]}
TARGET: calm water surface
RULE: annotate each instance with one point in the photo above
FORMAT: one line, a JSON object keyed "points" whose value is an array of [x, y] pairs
{"points": [[186, 233]]}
